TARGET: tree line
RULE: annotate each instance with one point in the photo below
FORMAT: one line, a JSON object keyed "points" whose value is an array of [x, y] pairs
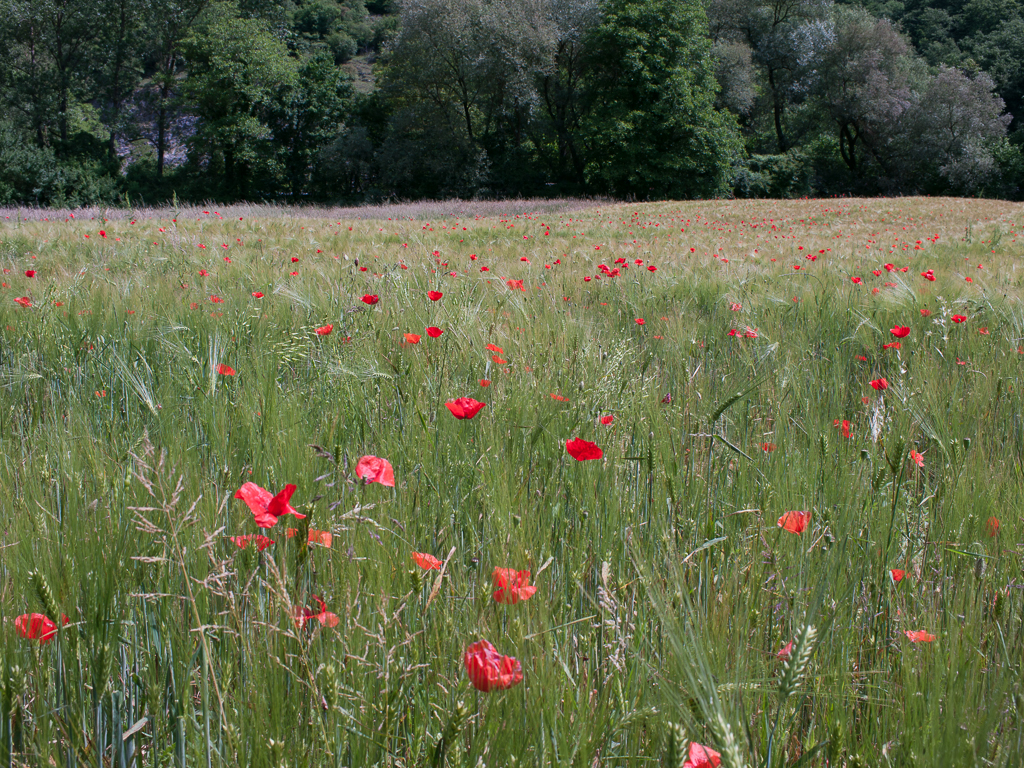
{"points": [[107, 101]]}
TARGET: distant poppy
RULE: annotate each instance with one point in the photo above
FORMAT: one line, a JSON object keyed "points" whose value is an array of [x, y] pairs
{"points": [[465, 407], [488, 670], [929, 275], [375, 470], [785, 651], [324, 538], [667, 399], [485, 382], [917, 458], [795, 522], [426, 562], [891, 345], [25, 301], [499, 360], [266, 507], [511, 585], [992, 526], [880, 384], [583, 450], [702, 757], [926, 313], [750, 333], [983, 331], [959, 318], [225, 370], [433, 332], [559, 398], [652, 268], [37, 626], [257, 294], [324, 330], [412, 338], [216, 300], [856, 280], [515, 285], [102, 233], [370, 298], [900, 331], [606, 420], [768, 447], [434, 295], [897, 575], [639, 321], [845, 424], [30, 273], [919, 636], [294, 259], [261, 541], [495, 348], [325, 617]]}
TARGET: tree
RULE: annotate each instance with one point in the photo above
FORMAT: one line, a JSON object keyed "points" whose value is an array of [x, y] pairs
{"points": [[652, 129]]}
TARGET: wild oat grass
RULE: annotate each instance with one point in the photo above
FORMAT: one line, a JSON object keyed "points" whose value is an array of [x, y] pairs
{"points": [[666, 589]]}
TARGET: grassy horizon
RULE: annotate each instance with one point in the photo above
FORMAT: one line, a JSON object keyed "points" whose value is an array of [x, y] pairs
{"points": [[666, 589]]}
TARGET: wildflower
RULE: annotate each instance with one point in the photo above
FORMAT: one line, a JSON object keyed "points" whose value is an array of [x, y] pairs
{"points": [[370, 298], [929, 275], [261, 541], [511, 585], [324, 538], [983, 331], [897, 575], [900, 331], [583, 450], [606, 420], [465, 407], [257, 294], [992, 526], [375, 470], [30, 273], [926, 313], [216, 300], [495, 348], [426, 562], [795, 522], [702, 757], [412, 338], [845, 424], [919, 636], [225, 370], [324, 330], [917, 458], [639, 321], [433, 332], [434, 295], [880, 384], [265, 507], [768, 447], [856, 280], [785, 651], [37, 626], [891, 345], [24, 301], [959, 319], [485, 382], [325, 617], [488, 670]]}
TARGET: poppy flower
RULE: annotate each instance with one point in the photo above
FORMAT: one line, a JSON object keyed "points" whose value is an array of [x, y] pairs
{"points": [[37, 626], [919, 636], [845, 424], [559, 398], [257, 294], [917, 458], [959, 318], [370, 298], [488, 670], [495, 348], [785, 651], [983, 331], [606, 420], [900, 331], [261, 541], [266, 507], [324, 538], [856, 280], [897, 575], [768, 447], [485, 382], [375, 470], [891, 345], [426, 562], [324, 330], [325, 617], [926, 313], [583, 450], [216, 300], [667, 399], [225, 370], [102, 233], [639, 321], [499, 360], [992, 526], [511, 585], [434, 295], [929, 275], [25, 301], [702, 757], [30, 273], [412, 338], [433, 332], [880, 384], [465, 407], [795, 522]]}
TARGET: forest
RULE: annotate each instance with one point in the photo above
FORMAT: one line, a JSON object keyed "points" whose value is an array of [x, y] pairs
{"points": [[128, 102]]}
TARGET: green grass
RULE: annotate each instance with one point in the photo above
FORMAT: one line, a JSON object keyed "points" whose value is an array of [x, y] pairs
{"points": [[665, 586]]}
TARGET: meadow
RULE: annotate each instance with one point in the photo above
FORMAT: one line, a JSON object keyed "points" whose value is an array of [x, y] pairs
{"points": [[763, 461]]}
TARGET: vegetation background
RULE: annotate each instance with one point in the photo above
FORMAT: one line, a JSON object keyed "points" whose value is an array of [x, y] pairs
{"points": [[151, 362], [144, 102]]}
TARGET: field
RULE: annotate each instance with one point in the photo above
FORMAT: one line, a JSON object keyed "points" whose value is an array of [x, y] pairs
{"points": [[735, 363]]}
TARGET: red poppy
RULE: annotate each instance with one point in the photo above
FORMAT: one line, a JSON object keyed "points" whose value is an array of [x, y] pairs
{"points": [[845, 424], [856, 280], [499, 360], [485, 382], [433, 332], [919, 636], [216, 299], [495, 348], [412, 338], [785, 651], [926, 313], [325, 617], [983, 331], [266, 507], [929, 275], [897, 575], [294, 259], [465, 407], [511, 585], [959, 318], [639, 321], [667, 399], [261, 541], [375, 470], [900, 331], [750, 333], [917, 458], [257, 294], [37, 626], [702, 757], [880, 384], [370, 298], [607, 419], [30, 273], [795, 522], [583, 450], [225, 370], [324, 330], [426, 562], [559, 398], [891, 345], [768, 447], [102, 233], [992, 526], [488, 670], [434, 295]]}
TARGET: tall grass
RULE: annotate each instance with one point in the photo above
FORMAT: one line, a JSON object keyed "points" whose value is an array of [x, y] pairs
{"points": [[666, 590]]}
